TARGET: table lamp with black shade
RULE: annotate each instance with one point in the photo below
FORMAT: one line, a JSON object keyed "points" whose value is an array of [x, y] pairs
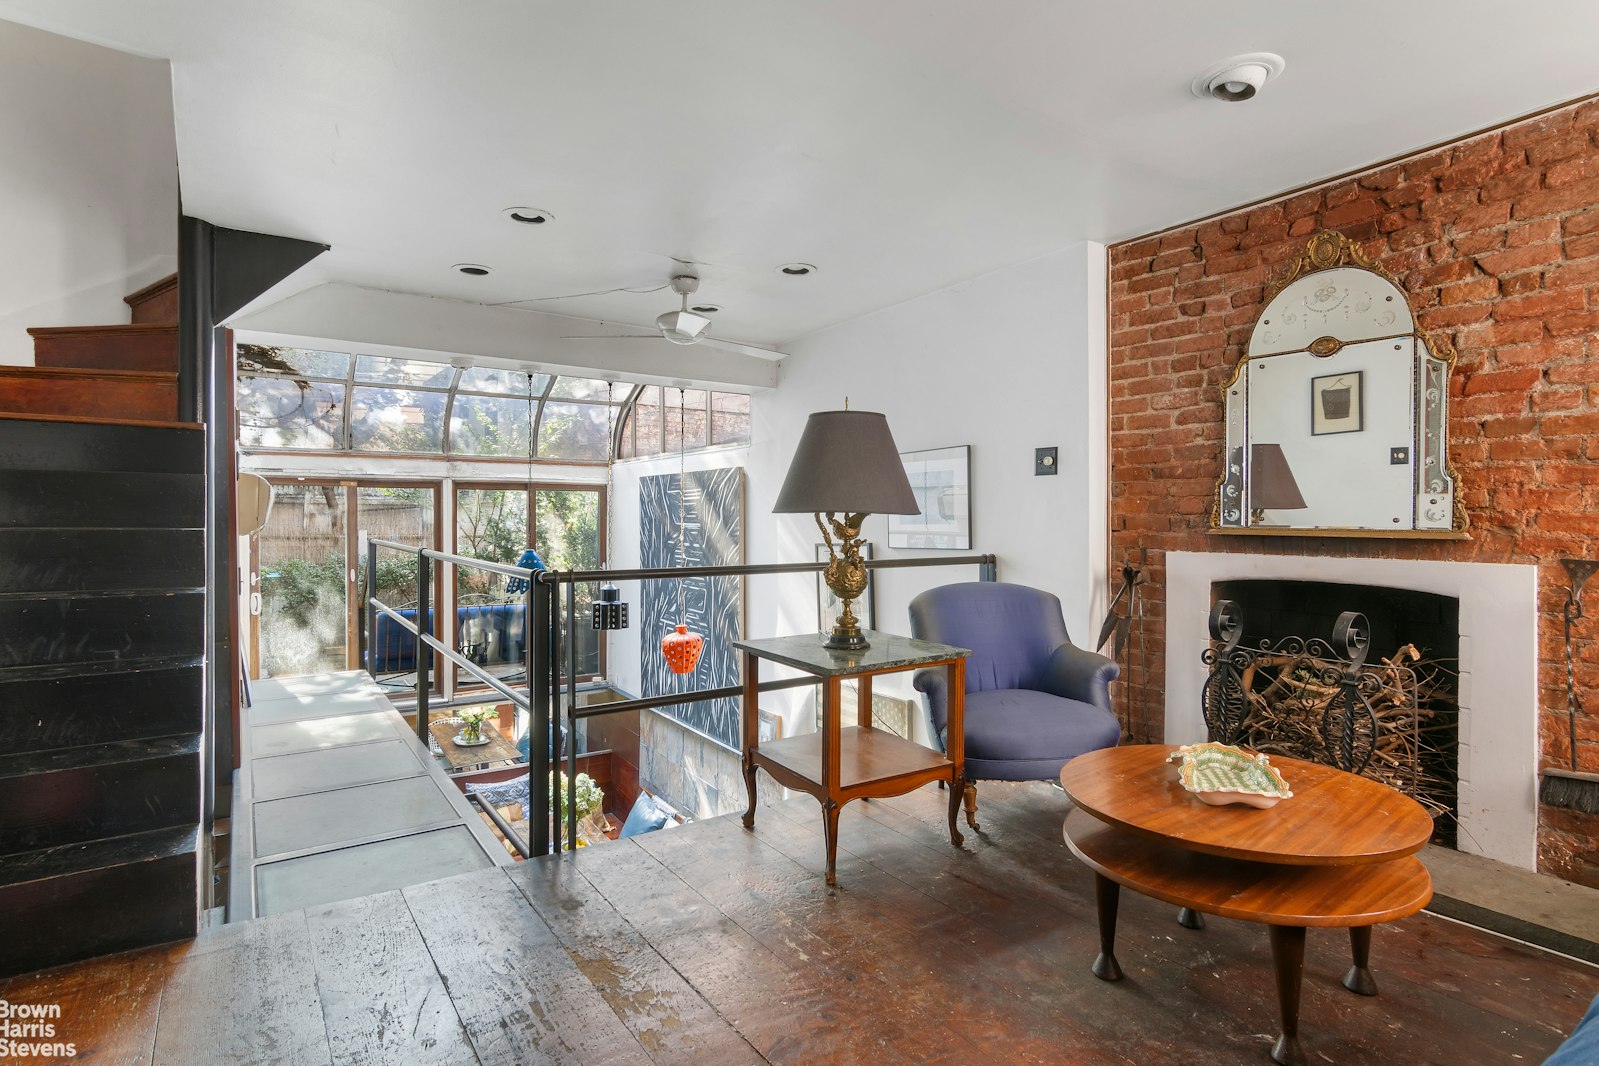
{"points": [[846, 467], [1271, 483]]}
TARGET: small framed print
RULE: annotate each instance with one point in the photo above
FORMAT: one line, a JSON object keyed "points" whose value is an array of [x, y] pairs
{"points": [[941, 479], [1337, 403]]}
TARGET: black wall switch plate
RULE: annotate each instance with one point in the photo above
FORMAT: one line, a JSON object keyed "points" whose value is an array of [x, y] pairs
{"points": [[1045, 461]]}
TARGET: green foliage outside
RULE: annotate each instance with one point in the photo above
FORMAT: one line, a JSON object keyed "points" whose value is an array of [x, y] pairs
{"points": [[300, 584]]}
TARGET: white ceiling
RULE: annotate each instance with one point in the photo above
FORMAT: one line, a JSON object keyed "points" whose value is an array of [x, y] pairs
{"points": [[900, 145]]}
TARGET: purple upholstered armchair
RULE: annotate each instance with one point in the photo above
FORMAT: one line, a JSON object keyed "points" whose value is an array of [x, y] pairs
{"points": [[1034, 700]]}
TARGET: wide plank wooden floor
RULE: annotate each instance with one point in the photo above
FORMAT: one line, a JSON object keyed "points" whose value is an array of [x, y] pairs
{"points": [[711, 944]]}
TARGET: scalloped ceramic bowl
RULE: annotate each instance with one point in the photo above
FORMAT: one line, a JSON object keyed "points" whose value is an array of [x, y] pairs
{"points": [[1220, 774]]}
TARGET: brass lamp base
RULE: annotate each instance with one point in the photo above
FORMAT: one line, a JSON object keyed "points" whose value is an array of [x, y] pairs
{"points": [[845, 575], [846, 637]]}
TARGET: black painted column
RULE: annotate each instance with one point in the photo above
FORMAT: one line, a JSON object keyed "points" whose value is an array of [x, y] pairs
{"points": [[219, 271]]}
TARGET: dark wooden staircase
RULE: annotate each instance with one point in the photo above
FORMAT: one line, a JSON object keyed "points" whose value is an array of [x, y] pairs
{"points": [[102, 615]]}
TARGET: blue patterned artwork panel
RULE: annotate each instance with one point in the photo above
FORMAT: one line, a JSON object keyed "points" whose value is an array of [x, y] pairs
{"points": [[713, 535]]}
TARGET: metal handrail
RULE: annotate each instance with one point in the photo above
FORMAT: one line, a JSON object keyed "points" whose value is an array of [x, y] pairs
{"points": [[544, 656], [552, 577], [511, 835]]}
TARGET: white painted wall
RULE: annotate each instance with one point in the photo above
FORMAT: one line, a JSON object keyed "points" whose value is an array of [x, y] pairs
{"points": [[1006, 362], [88, 183]]}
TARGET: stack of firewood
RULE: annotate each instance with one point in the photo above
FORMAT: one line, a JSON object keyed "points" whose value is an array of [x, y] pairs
{"points": [[1411, 696]]}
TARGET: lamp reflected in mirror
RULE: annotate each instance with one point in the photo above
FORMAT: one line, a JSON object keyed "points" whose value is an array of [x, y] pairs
{"points": [[1271, 483]]}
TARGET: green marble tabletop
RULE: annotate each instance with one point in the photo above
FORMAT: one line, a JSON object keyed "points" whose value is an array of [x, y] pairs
{"points": [[888, 651]]}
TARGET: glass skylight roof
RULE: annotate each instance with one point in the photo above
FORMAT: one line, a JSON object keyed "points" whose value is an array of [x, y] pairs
{"points": [[301, 399]]}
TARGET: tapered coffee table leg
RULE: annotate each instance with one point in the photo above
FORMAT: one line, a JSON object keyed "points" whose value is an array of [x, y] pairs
{"points": [[1359, 980], [1107, 894], [1189, 918], [1288, 958]]}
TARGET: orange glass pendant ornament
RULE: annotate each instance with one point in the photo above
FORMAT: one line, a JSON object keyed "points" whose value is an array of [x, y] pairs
{"points": [[682, 650]]}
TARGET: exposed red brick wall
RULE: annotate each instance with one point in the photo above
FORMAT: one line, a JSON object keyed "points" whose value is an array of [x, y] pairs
{"points": [[1496, 239]]}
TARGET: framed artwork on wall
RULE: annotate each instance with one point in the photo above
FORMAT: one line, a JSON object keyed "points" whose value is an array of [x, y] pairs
{"points": [[941, 478], [828, 605], [1337, 403]]}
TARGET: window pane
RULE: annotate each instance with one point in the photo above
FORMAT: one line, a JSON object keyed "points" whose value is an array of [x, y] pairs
{"points": [[691, 417], [284, 413], [396, 420], [508, 382], [402, 514], [489, 425], [647, 421], [260, 358], [383, 370], [490, 524], [302, 569], [567, 535], [589, 389], [730, 418], [573, 431]]}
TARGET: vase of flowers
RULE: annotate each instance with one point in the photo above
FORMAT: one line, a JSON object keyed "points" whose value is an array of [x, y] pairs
{"points": [[472, 719], [590, 798]]}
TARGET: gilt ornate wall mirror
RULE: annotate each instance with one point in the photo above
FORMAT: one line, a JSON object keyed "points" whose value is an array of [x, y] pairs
{"points": [[1337, 418]]}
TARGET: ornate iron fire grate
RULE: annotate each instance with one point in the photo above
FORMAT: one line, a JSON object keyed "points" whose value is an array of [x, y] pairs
{"points": [[1322, 700]]}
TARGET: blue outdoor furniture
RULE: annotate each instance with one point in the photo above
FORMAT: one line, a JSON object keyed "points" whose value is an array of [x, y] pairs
{"points": [[1034, 700], [497, 625]]}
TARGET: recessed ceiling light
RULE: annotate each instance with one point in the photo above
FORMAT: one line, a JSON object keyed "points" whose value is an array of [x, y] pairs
{"points": [[528, 216], [1239, 78], [796, 270], [706, 309], [476, 270]]}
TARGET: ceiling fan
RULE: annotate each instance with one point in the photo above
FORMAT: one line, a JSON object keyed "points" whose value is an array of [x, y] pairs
{"points": [[684, 326]]}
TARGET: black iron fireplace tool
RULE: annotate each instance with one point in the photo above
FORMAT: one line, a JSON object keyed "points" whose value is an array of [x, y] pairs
{"points": [[1573, 788]]}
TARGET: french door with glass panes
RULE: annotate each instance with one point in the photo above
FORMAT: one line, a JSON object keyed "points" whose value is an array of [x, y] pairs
{"points": [[309, 568]]}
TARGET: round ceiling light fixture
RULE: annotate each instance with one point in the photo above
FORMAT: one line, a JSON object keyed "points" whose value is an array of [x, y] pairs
{"points": [[1239, 78], [528, 216], [797, 270], [476, 270]]}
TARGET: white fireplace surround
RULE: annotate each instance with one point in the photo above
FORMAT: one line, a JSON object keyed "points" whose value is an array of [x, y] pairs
{"points": [[1498, 672]]}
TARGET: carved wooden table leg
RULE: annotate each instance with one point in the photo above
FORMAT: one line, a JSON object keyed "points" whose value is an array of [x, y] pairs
{"points": [[1190, 919], [830, 811], [749, 787], [1107, 894], [955, 793], [1359, 980], [1288, 957]]}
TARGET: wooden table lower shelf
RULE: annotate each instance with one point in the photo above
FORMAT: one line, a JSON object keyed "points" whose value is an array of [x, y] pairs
{"points": [[870, 763]]}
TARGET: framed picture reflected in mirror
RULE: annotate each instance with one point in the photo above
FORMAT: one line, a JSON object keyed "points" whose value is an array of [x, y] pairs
{"points": [[1337, 403]]}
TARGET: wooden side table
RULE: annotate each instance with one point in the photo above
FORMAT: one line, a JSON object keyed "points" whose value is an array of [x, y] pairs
{"points": [[839, 763]]}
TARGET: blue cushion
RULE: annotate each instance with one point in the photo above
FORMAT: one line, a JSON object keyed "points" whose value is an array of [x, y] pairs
{"points": [[646, 816], [1035, 730], [503, 793], [1582, 1047]]}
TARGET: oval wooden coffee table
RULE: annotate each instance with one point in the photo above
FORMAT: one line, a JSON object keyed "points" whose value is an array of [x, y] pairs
{"points": [[1340, 852]]}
